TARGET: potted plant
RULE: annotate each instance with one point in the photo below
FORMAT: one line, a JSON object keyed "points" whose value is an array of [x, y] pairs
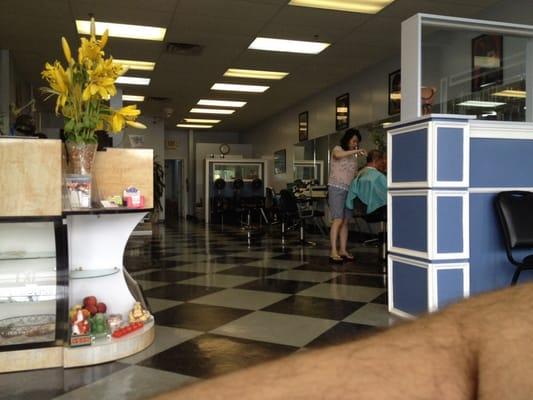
{"points": [[82, 90]]}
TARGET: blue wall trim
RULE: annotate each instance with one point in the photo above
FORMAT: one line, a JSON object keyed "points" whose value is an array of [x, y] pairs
{"points": [[501, 162], [450, 224], [449, 286], [450, 154], [409, 218], [409, 157], [410, 288]]}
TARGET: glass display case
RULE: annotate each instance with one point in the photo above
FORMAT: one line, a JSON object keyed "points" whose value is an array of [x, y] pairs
{"points": [[32, 295], [231, 171]]}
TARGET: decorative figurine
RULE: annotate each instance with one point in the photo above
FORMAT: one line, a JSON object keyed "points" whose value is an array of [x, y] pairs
{"points": [[80, 326], [138, 314]]}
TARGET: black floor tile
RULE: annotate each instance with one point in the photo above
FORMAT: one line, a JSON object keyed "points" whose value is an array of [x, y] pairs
{"points": [[361, 280], [375, 268], [341, 333], [277, 285], [244, 270], [210, 355], [166, 276], [180, 292], [49, 383], [381, 299], [324, 267], [315, 307], [198, 316]]}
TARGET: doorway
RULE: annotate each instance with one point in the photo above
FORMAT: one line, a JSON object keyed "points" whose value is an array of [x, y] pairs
{"points": [[174, 190]]}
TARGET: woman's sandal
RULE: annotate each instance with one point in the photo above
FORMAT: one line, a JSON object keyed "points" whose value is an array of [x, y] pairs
{"points": [[336, 260], [347, 257]]}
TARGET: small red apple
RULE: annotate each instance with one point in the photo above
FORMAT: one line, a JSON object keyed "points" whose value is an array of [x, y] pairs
{"points": [[89, 301], [92, 309], [102, 308]]}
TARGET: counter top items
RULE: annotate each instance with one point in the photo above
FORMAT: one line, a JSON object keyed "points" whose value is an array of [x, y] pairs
{"points": [[114, 321], [138, 313], [78, 190], [80, 327], [132, 327], [133, 198]]}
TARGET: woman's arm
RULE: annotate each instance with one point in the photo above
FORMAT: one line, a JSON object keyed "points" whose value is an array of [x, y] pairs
{"points": [[338, 152]]}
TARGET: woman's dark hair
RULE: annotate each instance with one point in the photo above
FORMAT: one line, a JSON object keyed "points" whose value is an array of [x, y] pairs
{"points": [[348, 135]]}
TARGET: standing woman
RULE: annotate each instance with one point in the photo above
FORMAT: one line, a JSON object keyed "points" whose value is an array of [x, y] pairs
{"points": [[342, 170]]}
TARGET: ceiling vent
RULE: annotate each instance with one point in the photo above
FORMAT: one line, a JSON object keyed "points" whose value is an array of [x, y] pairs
{"points": [[184, 49]]}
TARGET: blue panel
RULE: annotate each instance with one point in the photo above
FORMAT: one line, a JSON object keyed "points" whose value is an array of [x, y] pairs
{"points": [[450, 154], [489, 267], [410, 288], [409, 156], [449, 224], [501, 163], [409, 219], [450, 286]]}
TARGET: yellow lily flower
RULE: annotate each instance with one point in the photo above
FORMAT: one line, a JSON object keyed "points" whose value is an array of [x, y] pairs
{"points": [[135, 124], [66, 50], [103, 39], [59, 81]]}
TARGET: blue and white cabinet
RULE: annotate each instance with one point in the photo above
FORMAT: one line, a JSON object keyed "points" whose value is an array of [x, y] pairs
{"points": [[444, 239]]}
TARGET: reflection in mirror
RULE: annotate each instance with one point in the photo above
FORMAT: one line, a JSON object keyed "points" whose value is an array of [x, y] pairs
{"points": [[306, 167]]}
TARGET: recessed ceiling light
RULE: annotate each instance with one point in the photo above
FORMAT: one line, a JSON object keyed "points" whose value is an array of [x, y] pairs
{"points": [[131, 97], [211, 111], [122, 30], [133, 80], [194, 126], [255, 74], [478, 103], [202, 121], [137, 65], [511, 93], [288, 46], [221, 103], [232, 87], [357, 6]]}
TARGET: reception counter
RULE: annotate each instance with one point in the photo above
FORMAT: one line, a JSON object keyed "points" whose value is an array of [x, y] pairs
{"points": [[444, 238]]}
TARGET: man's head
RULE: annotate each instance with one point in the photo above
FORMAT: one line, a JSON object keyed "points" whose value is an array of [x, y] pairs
{"points": [[376, 158]]}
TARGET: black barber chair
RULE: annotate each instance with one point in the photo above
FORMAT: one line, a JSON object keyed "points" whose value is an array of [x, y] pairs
{"points": [[292, 217], [219, 202], [376, 217], [515, 209]]}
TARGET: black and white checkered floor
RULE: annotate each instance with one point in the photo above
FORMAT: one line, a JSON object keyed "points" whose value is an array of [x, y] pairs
{"points": [[221, 306]]}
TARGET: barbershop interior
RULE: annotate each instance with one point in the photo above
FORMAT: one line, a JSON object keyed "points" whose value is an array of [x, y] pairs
{"points": [[193, 188]]}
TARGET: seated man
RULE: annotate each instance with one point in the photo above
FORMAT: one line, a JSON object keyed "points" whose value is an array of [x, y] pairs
{"points": [[370, 186]]}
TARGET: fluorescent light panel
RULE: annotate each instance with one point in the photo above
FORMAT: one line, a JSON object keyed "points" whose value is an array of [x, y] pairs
{"points": [[232, 87], [202, 121], [255, 74], [131, 97], [211, 111], [521, 94], [133, 80], [136, 65], [356, 6], [194, 126], [221, 103], [288, 46], [122, 30], [478, 103]]}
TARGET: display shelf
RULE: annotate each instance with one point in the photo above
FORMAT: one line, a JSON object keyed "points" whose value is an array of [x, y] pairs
{"points": [[101, 210], [93, 273], [104, 350], [23, 255]]}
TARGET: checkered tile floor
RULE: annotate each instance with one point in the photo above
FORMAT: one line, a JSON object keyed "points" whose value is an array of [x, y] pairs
{"points": [[220, 306]]}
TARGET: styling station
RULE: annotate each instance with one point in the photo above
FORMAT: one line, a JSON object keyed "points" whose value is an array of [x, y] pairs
{"points": [[445, 170], [54, 257]]}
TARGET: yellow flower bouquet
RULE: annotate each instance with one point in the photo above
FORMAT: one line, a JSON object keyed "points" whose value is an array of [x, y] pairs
{"points": [[83, 90]]}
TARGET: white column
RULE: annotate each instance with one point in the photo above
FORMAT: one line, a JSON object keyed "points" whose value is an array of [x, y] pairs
{"points": [[116, 103], [411, 67]]}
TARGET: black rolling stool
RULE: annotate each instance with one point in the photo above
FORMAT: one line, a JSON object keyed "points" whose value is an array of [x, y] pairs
{"points": [[219, 204]]}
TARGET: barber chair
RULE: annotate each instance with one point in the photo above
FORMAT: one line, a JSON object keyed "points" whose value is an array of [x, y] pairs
{"points": [[292, 217], [360, 212]]}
